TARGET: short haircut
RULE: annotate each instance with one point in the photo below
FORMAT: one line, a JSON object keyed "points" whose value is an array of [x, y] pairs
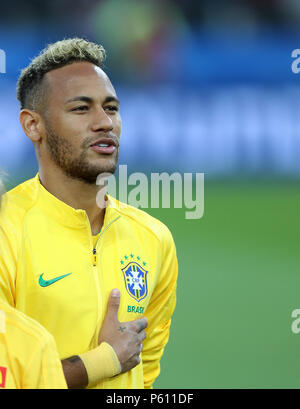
{"points": [[30, 87]]}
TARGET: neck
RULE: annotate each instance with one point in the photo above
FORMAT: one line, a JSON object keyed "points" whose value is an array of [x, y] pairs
{"points": [[75, 193]]}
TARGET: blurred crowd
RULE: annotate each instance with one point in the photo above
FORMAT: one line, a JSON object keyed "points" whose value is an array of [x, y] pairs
{"points": [[216, 74]]}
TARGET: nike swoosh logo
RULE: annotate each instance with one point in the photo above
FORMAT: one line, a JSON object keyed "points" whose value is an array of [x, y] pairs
{"points": [[46, 283]]}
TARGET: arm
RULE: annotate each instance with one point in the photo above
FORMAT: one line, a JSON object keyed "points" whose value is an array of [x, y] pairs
{"points": [[75, 372], [119, 349], [160, 310]]}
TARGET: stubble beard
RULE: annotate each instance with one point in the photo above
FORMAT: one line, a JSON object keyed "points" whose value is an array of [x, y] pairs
{"points": [[63, 155]]}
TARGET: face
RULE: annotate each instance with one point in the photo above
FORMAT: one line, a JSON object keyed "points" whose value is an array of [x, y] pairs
{"points": [[82, 122]]}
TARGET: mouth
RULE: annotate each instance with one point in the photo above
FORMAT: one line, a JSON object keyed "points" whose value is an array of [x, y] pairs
{"points": [[106, 146]]}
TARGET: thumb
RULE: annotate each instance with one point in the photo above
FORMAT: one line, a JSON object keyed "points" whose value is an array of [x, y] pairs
{"points": [[114, 304]]}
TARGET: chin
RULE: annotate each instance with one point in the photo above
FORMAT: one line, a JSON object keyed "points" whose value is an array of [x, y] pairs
{"points": [[91, 177], [88, 172], [106, 166]]}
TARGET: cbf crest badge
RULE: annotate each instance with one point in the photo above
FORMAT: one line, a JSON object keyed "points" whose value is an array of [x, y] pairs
{"points": [[135, 277]]}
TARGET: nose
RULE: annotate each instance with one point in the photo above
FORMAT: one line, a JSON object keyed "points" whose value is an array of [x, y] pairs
{"points": [[102, 121]]}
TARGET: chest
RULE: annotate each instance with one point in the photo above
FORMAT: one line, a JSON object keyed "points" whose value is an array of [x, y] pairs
{"points": [[65, 273]]}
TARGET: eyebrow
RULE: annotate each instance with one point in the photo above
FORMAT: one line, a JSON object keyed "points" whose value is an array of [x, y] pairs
{"points": [[83, 98]]}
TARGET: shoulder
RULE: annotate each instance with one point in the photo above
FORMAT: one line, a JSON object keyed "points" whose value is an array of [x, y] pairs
{"points": [[141, 220], [21, 197]]}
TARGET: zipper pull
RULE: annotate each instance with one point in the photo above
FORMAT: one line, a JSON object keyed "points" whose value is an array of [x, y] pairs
{"points": [[94, 257]]}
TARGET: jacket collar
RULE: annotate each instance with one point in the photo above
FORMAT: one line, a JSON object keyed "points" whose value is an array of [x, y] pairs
{"points": [[67, 215]]}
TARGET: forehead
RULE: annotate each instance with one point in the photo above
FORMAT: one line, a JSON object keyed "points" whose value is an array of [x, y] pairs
{"points": [[80, 78]]}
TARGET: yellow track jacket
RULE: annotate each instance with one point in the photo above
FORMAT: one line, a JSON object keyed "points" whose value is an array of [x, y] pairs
{"points": [[28, 354], [51, 270]]}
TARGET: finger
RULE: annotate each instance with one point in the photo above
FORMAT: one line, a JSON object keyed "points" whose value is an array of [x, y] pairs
{"points": [[140, 324], [114, 304], [142, 336]]}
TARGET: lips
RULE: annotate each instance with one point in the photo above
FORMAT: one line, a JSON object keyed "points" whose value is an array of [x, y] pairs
{"points": [[104, 145]]}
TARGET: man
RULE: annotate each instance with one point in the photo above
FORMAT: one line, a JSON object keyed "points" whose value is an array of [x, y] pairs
{"points": [[94, 277], [28, 354]]}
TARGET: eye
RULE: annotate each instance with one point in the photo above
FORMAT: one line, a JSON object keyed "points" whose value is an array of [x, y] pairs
{"points": [[112, 108], [81, 108]]}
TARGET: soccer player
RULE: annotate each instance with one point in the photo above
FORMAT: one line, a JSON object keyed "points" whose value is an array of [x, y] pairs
{"points": [[101, 280]]}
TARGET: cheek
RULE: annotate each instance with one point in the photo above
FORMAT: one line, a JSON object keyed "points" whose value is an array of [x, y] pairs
{"points": [[118, 126], [69, 129], [72, 127]]}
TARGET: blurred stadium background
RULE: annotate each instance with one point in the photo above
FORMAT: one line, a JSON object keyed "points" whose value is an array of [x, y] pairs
{"points": [[205, 86]]}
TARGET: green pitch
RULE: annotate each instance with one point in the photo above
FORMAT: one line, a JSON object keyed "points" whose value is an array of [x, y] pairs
{"points": [[239, 282]]}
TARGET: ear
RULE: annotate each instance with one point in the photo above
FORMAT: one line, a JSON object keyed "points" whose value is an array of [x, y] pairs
{"points": [[32, 124]]}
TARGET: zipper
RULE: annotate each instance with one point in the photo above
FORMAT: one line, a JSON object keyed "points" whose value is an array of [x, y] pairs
{"points": [[94, 255], [97, 282]]}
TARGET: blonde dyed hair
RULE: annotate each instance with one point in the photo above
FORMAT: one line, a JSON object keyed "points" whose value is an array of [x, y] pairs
{"points": [[31, 88]]}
